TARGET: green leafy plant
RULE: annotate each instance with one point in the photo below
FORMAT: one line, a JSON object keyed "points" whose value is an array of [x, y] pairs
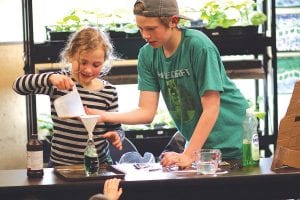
{"points": [[162, 119], [73, 21], [221, 13], [79, 18], [45, 127], [259, 114]]}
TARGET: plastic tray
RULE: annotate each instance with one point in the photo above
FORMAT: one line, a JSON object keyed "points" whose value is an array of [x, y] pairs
{"points": [[77, 173]]}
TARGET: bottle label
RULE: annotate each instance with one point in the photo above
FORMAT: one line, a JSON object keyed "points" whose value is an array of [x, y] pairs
{"points": [[35, 160], [255, 147]]}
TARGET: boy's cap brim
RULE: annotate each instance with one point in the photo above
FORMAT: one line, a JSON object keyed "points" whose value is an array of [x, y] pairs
{"points": [[159, 8]]}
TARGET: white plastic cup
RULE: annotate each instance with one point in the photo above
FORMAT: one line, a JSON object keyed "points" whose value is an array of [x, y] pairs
{"points": [[69, 105]]}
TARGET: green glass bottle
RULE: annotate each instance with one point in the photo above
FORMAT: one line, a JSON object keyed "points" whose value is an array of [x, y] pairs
{"points": [[91, 160]]}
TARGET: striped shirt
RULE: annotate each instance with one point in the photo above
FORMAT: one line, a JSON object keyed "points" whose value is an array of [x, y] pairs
{"points": [[70, 136]]}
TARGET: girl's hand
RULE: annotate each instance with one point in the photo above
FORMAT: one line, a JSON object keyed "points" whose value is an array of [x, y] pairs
{"points": [[179, 159], [111, 189], [62, 82], [114, 138]]}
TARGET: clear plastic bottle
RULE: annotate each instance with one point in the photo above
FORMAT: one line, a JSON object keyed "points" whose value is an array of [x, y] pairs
{"points": [[34, 157], [250, 139], [91, 160]]}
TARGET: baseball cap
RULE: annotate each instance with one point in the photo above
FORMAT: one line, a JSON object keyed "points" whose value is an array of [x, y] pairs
{"points": [[158, 8]]}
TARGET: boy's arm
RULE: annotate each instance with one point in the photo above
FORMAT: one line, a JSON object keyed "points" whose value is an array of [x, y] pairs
{"points": [[211, 107], [143, 114]]}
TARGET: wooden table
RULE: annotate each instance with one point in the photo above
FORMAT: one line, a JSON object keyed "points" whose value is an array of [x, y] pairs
{"points": [[246, 183]]}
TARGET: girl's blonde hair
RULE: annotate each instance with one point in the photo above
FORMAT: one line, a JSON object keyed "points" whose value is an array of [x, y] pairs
{"points": [[87, 39]]}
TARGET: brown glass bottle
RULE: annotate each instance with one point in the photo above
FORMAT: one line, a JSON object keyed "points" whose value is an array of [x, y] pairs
{"points": [[35, 157]]}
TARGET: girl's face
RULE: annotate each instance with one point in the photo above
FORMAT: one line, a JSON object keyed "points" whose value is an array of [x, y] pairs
{"points": [[153, 31], [87, 65]]}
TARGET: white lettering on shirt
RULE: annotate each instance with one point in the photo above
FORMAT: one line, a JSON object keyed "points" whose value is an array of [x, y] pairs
{"points": [[174, 74]]}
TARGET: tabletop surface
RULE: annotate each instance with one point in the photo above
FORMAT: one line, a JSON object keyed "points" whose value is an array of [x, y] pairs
{"points": [[257, 182], [18, 177]]}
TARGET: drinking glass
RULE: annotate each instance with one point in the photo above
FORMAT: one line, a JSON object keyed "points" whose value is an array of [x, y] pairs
{"points": [[208, 160]]}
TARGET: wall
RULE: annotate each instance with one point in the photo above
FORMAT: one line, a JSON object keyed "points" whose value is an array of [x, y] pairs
{"points": [[13, 112]]}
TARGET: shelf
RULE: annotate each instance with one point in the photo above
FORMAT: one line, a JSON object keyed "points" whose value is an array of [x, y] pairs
{"points": [[242, 45], [48, 51], [125, 71], [127, 48], [244, 69], [288, 10], [288, 53], [246, 74]]}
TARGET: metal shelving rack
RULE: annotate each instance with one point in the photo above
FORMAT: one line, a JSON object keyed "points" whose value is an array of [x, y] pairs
{"points": [[254, 45], [28, 43]]}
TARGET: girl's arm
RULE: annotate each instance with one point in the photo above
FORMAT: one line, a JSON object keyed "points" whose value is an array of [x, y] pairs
{"points": [[32, 84], [41, 83]]}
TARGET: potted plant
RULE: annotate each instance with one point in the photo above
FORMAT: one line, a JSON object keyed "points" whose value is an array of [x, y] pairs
{"points": [[67, 25], [124, 34], [239, 17], [78, 18], [45, 133]]}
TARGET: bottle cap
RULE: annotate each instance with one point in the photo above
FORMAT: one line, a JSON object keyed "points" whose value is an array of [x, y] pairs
{"points": [[249, 111], [34, 136]]}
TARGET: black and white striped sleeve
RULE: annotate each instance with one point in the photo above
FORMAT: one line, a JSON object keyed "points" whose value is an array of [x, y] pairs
{"points": [[32, 84]]}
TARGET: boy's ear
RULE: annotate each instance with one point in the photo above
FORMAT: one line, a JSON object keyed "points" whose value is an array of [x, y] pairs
{"points": [[174, 20]]}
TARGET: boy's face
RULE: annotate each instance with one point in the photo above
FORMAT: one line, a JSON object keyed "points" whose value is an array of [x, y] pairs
{"points": [[154, 31]]}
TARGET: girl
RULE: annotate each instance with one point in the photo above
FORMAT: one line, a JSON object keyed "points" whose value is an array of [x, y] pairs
{"points": [[89, 52]]}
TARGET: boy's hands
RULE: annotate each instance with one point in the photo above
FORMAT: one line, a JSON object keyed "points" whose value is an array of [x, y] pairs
{"points": [[114, 138], [62, 82], [181, 160], [90, 111]]}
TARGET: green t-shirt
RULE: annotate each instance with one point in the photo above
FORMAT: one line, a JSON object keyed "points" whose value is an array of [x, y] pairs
{"points": [[184, 77]]}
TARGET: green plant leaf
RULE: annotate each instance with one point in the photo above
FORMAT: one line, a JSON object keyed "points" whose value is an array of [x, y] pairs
{"points": [[260, 115], [74, 18], [217, 14], [258, 18]]}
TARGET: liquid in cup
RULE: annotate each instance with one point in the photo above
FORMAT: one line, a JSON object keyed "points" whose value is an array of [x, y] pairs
{"points": [[207, 161]]}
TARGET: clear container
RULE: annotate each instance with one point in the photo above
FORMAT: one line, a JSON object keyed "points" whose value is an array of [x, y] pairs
{"points": [[91, 160], [250, 140], [208, 160]]}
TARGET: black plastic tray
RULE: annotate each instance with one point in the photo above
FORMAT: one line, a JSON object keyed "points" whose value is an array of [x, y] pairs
{"points": [[77, 173]]}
